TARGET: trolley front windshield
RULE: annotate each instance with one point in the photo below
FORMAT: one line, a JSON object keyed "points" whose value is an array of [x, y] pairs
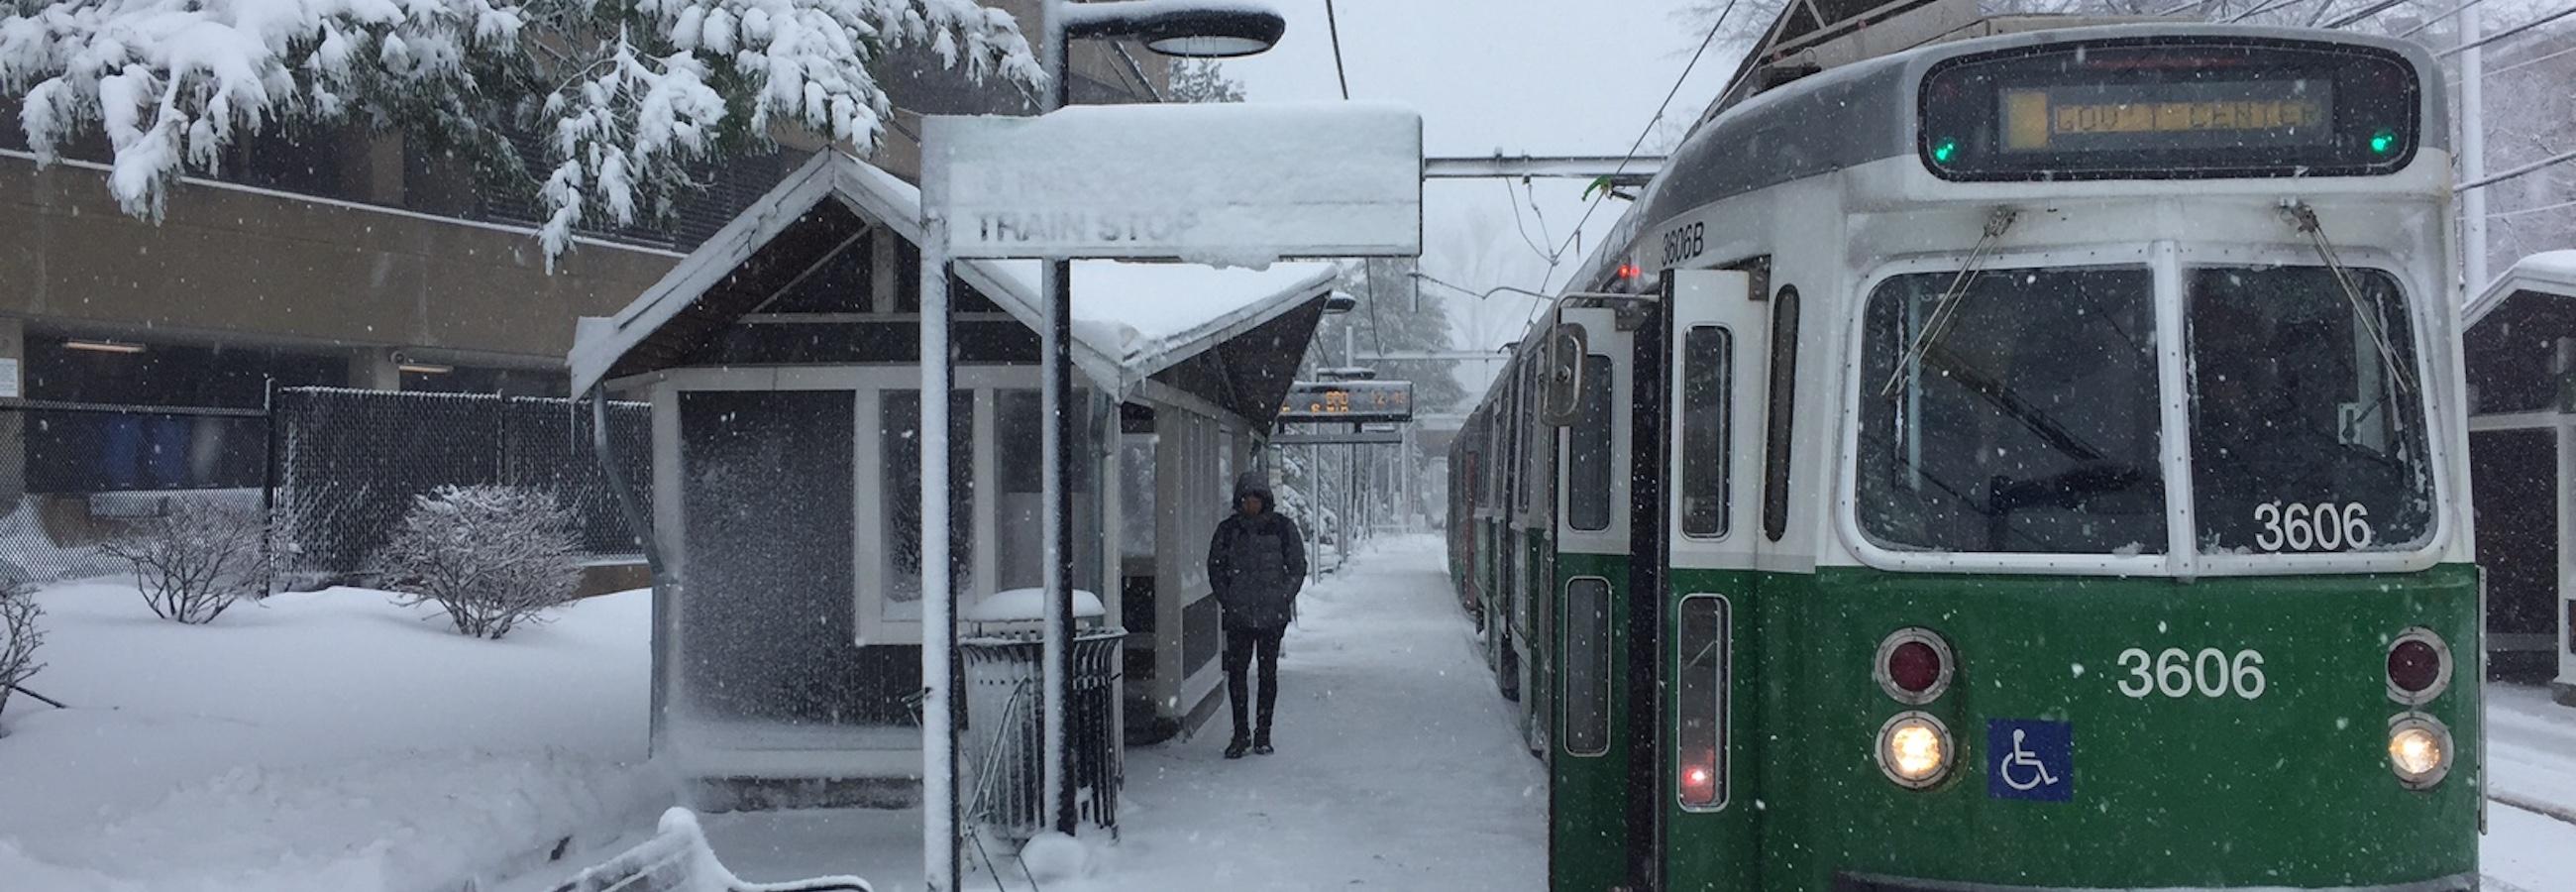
{"points": [[2016, 412], [2025, 422], [2307, 421]]}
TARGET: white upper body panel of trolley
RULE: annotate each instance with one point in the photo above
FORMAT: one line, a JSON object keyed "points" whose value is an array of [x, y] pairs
{"points": [[1835, 179]]}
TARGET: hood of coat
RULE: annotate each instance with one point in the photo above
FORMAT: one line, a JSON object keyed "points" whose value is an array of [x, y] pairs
{"points": [[1254, 483]]}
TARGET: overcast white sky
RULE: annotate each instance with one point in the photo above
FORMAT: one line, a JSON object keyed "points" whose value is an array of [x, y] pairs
{"points": [[1535, 77]]}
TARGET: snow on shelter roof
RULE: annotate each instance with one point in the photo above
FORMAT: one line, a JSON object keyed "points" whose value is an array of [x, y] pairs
{"points": [[2550, 272], [1130, 320]]}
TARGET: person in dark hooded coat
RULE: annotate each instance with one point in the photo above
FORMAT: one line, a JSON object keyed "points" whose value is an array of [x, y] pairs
{"points": [[1256, 564]]}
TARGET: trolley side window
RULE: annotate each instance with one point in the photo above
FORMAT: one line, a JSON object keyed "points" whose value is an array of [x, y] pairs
{"points": [[1708, 360], [1784, 399], [1587, 666], [2013, 412], [2308, 431], [1699, 735], [1589, 462]]}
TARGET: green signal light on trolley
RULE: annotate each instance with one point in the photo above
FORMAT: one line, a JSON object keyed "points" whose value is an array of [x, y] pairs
{"points": [[1944, 149], [2383, 142]]}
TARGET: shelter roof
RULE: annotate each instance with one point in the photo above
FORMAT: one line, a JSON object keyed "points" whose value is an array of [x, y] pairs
{"points": [[1130, 320], [2512, 331]]}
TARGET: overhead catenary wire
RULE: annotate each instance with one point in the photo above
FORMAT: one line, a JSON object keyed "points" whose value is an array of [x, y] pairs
{"points": [[2526, 63], [2430, 22], [1642, 133], [2350, 18], [2522, 212], [2490, 180], [2259, 10], [1333, 26], [2508, 32], [1513, 199]]}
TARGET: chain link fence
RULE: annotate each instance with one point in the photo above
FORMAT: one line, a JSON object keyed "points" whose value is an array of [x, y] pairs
{"points": [[350, 462], [336, 468], [74, 474]]}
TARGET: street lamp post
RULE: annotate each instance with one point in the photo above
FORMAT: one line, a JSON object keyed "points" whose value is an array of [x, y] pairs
{"points": [[1174, 28]]}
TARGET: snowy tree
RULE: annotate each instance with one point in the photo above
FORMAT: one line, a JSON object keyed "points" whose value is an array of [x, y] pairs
{"points": [[1202, 80], [493, 557], [627, 93], [19, 637], [196, 560]]}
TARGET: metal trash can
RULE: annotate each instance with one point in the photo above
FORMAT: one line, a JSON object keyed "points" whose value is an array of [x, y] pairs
{"points": [[1003, 755]]}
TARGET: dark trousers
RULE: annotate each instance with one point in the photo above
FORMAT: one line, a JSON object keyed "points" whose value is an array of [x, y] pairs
{"points": [[1241, 646]]}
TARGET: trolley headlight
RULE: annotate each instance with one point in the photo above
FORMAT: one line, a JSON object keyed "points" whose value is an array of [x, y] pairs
{"points": [[2419, 750], [1914, 749]]}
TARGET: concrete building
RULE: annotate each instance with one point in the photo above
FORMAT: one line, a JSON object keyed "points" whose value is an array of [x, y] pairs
{"points": [[346, 258]]}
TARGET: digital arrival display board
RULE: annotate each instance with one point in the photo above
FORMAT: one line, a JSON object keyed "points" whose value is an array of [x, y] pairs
{"points": [[1348, 401], [2165, 108]]}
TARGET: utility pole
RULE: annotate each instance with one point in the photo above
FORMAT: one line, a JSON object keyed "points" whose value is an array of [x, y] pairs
{"points": [[2473, 151], [1055, 281]]}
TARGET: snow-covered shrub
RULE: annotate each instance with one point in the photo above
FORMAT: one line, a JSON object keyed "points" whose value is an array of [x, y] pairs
{"points": [[19, 637], [196, 559], [493, 557]]}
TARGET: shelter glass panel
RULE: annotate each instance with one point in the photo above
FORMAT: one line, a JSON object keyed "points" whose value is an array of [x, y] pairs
{"points": [[1020, 500], [899, 493], [1136, 518], [2012, 412], [766, 631], [2308, 428]]}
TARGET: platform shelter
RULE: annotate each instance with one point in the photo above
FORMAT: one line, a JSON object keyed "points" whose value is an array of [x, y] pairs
{"points": [[2520, 346], [780, 361]]}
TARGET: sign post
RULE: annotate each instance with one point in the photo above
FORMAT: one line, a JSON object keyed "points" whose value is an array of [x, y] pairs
{"points": [[1223, 184]]}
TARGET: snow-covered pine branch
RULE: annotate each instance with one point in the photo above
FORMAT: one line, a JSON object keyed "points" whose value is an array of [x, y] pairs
{"points": [[627, 93]]}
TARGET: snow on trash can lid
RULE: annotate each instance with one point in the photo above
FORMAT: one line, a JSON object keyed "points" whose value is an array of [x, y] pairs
{"points": [[1029, 605]]}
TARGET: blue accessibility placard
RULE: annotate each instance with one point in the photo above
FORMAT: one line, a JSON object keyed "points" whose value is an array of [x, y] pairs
{"points": [[2030, 759]]}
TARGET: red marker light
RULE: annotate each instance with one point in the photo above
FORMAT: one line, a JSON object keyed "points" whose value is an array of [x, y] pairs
{"points": [[1914, 666], [1629, 271], [1699, 786], [2414, 665]]}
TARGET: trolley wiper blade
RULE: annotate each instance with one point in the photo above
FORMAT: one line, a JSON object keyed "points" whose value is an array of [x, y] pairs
{"points": [[1947, 311], [2304, 219]]}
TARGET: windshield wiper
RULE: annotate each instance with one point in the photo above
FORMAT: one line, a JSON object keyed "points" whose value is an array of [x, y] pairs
{"points": [[1947, 311], [2304, 219]]}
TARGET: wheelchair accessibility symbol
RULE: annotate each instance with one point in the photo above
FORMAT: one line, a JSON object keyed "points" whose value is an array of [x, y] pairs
{"points": [[2030, 759]]}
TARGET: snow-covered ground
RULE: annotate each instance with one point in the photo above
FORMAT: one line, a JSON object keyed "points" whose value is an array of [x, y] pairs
{"points": [[332, 741], [328, 741], [1397, 769]]}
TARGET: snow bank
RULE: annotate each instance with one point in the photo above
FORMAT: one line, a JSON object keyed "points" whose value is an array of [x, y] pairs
{"points": [[322, 741]]}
